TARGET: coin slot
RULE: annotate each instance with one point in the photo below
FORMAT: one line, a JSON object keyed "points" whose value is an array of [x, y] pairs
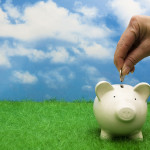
{"points": [[121, 86]]}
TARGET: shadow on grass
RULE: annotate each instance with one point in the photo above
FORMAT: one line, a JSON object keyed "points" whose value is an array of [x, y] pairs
{"points": [[95, 133]]}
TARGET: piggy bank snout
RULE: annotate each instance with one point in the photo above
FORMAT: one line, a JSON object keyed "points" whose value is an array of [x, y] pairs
{"points": [[126, 113]]}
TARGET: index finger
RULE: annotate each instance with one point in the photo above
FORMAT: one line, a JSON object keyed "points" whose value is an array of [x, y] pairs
{"points": [[125, 43]]}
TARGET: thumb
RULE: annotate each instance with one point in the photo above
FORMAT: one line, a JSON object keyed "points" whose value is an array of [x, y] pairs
{"points": [[128, 65], [132, 59]]}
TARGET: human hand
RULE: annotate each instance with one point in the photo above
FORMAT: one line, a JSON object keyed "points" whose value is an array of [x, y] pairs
{"points": [[134, 44]]}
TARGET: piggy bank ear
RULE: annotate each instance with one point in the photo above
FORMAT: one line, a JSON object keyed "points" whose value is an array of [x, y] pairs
{"points": [[102, 88], [143, 89]]}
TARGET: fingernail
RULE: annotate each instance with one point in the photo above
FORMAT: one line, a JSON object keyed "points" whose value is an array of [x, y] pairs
{"points": [[125, 70], [132, 71]]}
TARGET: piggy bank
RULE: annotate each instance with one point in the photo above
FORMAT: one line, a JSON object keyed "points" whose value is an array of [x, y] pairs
{"points": [[121, 109]]}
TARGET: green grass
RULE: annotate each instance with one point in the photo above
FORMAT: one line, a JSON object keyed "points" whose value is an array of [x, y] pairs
{"points": [[53, 125]]}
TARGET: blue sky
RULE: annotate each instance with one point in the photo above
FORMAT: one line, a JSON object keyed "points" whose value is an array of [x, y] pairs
{"points": [[61, 49]]}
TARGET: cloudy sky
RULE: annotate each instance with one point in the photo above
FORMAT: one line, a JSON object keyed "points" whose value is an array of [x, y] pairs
{"points": [[62, 48]]}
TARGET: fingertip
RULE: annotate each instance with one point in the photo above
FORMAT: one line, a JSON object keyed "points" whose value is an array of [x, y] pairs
{"points": [[132, 70], [119, 64], [126, 70], [129, 64]]}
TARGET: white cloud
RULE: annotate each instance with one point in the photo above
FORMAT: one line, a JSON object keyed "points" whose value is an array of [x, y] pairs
{"points": [[53, 79], [55, 55], [57, 78], [87, 88], [93, 75], [125, 9], [3, 18], [90, 70], [60, 56], [24, 77], [89, 12], [32, 54], [146, 5], [96, 50], [76, 51], [11, 10], [4, 61], [7, 51], [52, 22], [57, 23]]}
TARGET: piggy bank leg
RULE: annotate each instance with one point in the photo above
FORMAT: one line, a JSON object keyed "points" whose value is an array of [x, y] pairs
{"points": [[137, 136], [105, 135]]}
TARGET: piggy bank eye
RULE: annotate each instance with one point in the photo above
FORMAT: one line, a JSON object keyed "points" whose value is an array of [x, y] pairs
{"points": [[114, 96], [135, 99]]}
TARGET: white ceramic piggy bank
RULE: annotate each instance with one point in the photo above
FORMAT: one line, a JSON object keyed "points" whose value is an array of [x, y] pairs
{"points": [[121, 109]]}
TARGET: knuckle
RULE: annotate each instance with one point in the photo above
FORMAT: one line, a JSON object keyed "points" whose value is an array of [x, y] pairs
{"points": [[122, 44], [134, 19], [134, 25], [131, 60], [116, 60]]}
